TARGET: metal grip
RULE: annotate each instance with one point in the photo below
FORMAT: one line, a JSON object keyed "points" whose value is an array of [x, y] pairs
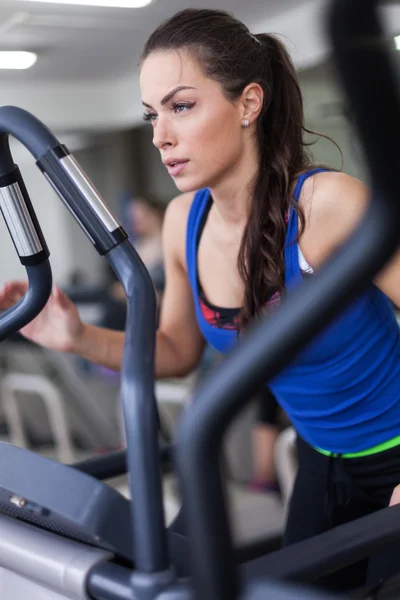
{"points": [[81, 198], [20, 219], [89, 192]]}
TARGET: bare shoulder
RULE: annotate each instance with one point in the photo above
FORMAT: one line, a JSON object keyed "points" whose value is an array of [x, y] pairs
{"points": [[333, 204], [175, 224], [331, 192]]}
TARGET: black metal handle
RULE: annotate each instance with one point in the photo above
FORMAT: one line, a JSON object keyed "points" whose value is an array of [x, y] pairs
{"points": [[28, 130], [115, 463], [29, 243], [140, 412], [275, 341], [328, 552], [364, 56], [30, 305], [18, 211], [63, 173], [109, 581]]}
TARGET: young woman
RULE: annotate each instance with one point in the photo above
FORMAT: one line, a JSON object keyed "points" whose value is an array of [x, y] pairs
{"points": [[254, 218]]}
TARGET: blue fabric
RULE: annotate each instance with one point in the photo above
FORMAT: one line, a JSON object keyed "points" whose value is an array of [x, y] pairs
{"points": [[342, 392]]}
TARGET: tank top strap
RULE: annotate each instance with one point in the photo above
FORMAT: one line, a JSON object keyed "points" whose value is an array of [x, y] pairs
{"points": [[196, 211], [292, 267], [302, 178]]}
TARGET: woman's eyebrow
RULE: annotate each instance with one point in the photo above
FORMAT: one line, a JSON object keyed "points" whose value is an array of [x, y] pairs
{"points": [[171, 94]]}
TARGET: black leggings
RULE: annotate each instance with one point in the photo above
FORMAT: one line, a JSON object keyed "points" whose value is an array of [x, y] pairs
{"points": [[332, 491], [267, 407]]}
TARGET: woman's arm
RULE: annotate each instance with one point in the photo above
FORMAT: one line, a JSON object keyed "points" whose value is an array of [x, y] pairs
{"points": [[179, 343], [334, 204]]}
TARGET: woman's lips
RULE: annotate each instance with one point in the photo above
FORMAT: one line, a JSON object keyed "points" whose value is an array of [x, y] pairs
{"points": [[177, 168]]}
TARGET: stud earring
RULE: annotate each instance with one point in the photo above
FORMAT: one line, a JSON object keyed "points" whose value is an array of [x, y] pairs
{"points": [[246, 123]]}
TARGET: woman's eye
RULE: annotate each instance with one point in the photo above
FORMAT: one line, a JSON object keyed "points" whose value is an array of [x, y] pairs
{"points": [[149, 117], [177, 107], [180, 107]]}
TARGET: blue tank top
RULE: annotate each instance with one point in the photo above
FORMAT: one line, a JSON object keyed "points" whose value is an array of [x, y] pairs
{"points": [[342, 392]]}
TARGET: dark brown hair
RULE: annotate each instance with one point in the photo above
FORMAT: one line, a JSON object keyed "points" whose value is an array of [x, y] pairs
{"points": [[231, 55]]}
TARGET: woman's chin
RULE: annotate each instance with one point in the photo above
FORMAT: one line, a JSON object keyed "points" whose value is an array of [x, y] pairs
{"points": [[186, 185]]}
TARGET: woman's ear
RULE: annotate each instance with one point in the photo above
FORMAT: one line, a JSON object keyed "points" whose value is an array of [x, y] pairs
{"points": [[251, 102]]}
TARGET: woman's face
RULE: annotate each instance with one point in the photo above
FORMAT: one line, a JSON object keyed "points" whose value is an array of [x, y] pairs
{"points": [[197, 130]]}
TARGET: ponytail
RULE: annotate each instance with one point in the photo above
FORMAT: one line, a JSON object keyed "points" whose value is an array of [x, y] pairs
{"points": [[282, 156]]}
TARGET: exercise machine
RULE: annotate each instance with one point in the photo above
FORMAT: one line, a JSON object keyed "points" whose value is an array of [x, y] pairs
{"points": [[65, 534]]}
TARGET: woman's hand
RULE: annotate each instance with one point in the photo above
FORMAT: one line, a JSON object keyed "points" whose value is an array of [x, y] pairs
{"points": [[57, 327]]}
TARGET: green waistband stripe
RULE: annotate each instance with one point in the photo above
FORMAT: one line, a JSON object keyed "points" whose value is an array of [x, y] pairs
{"points": [[375, 450]]}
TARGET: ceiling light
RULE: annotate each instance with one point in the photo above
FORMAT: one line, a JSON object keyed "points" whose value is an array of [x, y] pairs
{"points": [[105, 3], [17, 60], [397, 42]]}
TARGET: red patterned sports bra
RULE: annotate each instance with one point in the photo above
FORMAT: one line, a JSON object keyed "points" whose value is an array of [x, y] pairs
{"points": [[226, 318]]}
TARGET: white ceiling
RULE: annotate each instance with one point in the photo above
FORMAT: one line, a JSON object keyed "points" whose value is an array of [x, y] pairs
{"points": [[86, 76], [75, 42]]}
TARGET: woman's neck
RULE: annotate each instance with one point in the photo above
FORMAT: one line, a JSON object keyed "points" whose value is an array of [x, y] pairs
{"points": [[232, 194]]}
